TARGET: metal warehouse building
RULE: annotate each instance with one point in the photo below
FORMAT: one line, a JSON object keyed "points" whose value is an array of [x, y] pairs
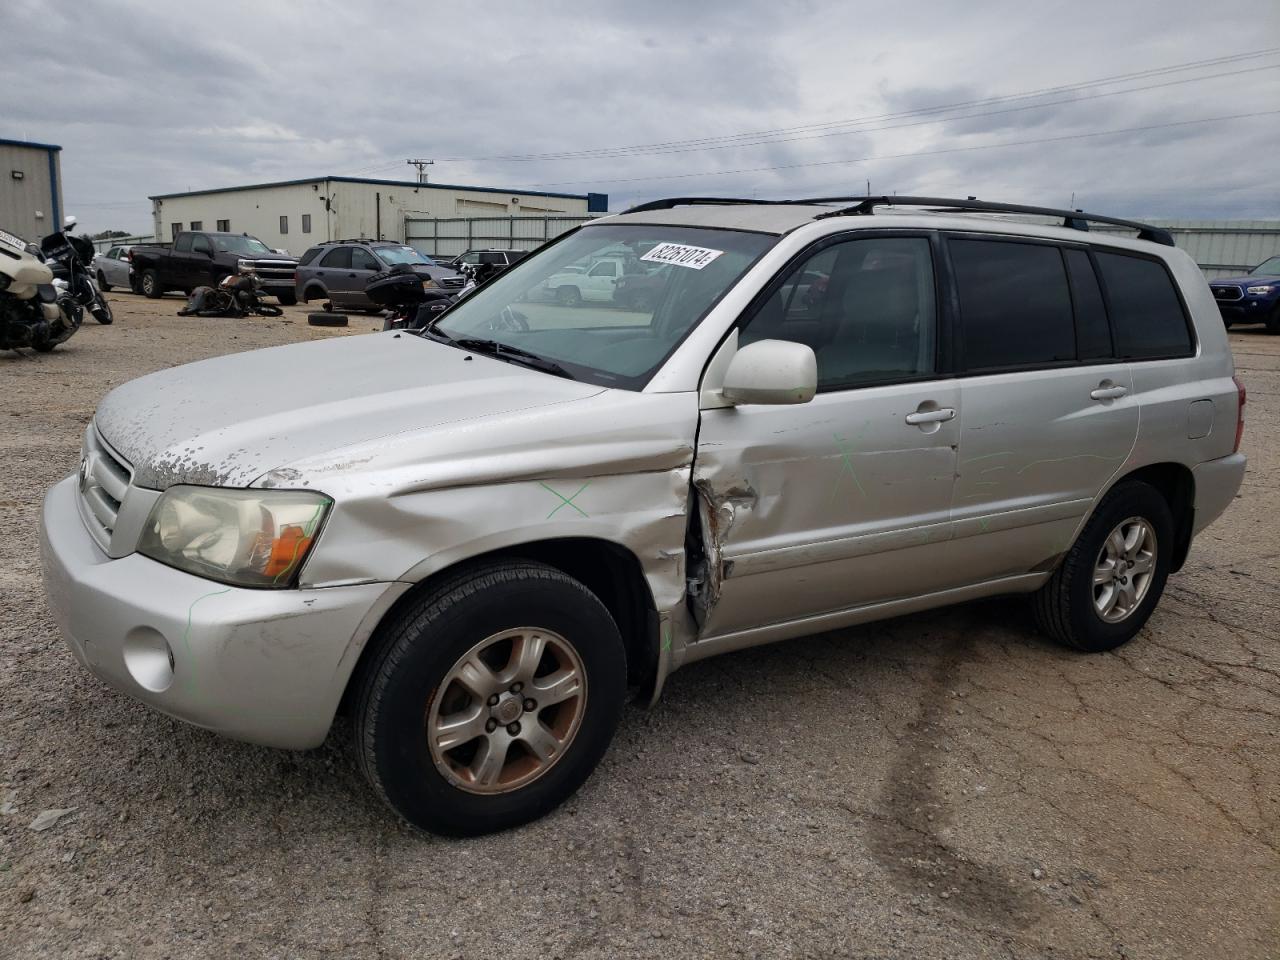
{"points": [[31, 189], [294, 214]]}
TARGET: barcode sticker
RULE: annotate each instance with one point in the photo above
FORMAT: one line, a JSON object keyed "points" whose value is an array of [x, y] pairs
{"points": [[9, 240], [681, 255]]}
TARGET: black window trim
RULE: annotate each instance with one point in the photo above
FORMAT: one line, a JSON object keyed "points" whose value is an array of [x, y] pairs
{"points": [[1062, 245], [1095, 249], [941, 293]]}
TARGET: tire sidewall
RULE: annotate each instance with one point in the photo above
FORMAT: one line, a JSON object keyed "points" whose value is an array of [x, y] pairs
{"points": [[424, 653], [1133, 499]]}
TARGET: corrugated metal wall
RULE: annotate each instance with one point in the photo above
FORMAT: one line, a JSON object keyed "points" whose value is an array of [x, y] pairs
{"points": [[30, 207], [450, 236], [1222, 248]]}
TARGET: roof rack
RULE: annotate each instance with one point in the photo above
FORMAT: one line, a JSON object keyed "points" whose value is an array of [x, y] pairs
{"points": [[1073, 219], [861, 206]]}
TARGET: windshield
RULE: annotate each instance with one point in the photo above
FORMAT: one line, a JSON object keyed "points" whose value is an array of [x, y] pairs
{"points": [[393, 255], [1267, 268], [611, 302], [240, 245]]}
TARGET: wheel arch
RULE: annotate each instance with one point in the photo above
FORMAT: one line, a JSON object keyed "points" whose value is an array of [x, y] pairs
{"points": [[1176, 483], [314, 290], [609, 570]]}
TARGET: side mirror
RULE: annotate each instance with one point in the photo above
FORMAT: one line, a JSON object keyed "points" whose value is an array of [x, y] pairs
{"points": [[772, 372]]}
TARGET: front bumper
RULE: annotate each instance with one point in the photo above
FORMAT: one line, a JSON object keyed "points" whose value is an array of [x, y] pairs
{"points": [[1248, 310], [267, 666]]}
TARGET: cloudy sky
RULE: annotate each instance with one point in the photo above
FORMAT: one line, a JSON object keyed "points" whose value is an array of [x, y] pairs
{"points": [[771, 99]]}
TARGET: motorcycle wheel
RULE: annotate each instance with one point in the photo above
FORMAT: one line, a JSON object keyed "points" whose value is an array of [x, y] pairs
{"points": [[269, 310], [101, 311]]}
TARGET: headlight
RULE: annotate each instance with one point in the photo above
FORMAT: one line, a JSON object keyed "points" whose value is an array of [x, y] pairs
{"points": [[1265, 288], [249, 538], [245, 266], [428, 284]]}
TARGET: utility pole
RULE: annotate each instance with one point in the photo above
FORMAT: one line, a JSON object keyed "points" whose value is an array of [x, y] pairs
{"points": [[422, 168]]}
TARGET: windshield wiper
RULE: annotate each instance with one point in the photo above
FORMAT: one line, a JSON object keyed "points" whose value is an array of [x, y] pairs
{"points": [[506, 351]]}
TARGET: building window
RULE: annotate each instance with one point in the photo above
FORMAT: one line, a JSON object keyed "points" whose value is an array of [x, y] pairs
{"points": [[197, 224], [284, 225], [306, 223], [174, 230], [224, 226]]}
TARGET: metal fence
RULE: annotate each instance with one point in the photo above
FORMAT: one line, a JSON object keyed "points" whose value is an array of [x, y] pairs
{"points": [[450, 236], [1221, 248], [102, 246]]}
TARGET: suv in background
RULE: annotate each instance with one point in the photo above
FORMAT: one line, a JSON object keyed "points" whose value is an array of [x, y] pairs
{"points": [[500, 258], [481, 537], [338, 270], [1253, 298]]}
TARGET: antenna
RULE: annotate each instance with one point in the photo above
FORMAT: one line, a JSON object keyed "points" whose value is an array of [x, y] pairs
{"points": [[422, 168]]}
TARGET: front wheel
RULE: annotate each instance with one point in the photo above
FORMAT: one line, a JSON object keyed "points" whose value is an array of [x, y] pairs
{"points": [[568, 296], [491, 699], [101, 311], [288, 299], [1113, 576], [1273, 320]]}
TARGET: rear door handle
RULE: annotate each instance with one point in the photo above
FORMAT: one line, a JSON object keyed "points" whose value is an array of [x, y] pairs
{"points": [[941, 415], [1108, 393]]}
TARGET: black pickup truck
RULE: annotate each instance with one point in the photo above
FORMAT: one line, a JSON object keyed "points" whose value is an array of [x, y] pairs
{"points": [[198, 258]]}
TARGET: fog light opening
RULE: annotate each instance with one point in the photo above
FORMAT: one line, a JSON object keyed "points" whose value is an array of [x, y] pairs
{"points": [[149, 659]]}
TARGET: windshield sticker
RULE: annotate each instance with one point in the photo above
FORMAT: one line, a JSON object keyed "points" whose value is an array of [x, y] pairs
{"points": [[680, 255]]}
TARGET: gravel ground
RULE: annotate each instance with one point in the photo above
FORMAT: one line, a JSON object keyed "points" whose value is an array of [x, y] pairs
{"points": [[942, 785]]}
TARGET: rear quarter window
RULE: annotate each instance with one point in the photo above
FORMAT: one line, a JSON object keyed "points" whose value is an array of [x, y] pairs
{"points": [[309, 256], [1147, 316]]}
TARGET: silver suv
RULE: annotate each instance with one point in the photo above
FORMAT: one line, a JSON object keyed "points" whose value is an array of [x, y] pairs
{"points": [[829, 412], [337, 271]]}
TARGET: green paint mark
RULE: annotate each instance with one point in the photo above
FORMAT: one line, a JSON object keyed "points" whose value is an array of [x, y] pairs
{"points": [[186, 634], [983, 522], [666, 638], [846, 457], [567, 501]]}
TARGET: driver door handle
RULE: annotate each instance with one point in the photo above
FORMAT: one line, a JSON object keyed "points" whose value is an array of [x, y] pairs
{"points": [[941, 415], [1103, 392]]}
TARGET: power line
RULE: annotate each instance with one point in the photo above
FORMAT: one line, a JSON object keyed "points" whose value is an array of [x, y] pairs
{"points": [[927, 153], [757, 136]]}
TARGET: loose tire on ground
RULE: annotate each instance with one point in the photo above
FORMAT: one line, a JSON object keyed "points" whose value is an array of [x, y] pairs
{"points": [[327, 319], [404, 685], [150, 285], [1065, 607]]}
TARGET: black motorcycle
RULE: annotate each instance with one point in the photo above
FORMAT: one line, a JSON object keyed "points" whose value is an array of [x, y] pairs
{"points": [[234, 296], [69, 257]]}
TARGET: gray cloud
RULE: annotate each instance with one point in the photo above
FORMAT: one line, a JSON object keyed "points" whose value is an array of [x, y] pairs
{"points": [[150, 98]]}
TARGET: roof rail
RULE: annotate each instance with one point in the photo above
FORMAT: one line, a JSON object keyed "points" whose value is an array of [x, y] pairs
{"points": [[670, 202], [1073, 219]]}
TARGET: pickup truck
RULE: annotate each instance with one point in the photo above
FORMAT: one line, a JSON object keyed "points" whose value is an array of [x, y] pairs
{"points": [[197, 258]]}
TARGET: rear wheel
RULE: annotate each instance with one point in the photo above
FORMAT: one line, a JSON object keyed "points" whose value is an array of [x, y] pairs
{"points": [[102, 282], [150, 285], [1113, 576], [491, 699]]}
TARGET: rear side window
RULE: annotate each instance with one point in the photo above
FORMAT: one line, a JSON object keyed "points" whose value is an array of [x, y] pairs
{"points": [[1015, 305], [1145, 310], [338, 258], [1093, 336], [309, 256], [183, 243]]}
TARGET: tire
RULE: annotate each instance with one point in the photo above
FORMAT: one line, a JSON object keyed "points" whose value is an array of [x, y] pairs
{"points": [[327, 319], [1066, 607], [568, 296], [1273, 320], [150, 285], [269, 310], [102, 283], [312, 293], [411, 677], [135, 286], [102, 312], [287, 299]]}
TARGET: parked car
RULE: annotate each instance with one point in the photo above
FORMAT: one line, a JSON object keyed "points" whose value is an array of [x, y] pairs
{"points": [[203, 258], [498, 257], [575, 283], [113, 268], [337, 271], [476, 540], [1253, 298]]}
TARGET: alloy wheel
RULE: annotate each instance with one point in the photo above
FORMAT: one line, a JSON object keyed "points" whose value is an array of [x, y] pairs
{"points": [[1123, 571], [507, 710]]}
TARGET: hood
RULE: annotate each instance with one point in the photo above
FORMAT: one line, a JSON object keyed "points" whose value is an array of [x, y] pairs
{"points": [[229, 420], [1245, 281]]}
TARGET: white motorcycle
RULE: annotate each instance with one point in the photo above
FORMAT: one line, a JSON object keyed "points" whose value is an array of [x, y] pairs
{"points": [[36, 310]]}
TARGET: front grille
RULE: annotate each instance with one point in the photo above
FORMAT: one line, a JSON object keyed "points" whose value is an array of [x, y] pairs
{"points": [[275, 269], [451, 282], [1227, 292], [104, 481]]}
